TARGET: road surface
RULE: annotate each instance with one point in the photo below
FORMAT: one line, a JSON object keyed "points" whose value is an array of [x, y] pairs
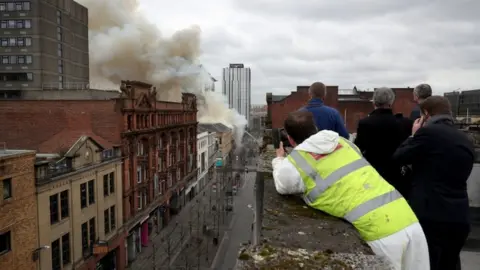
{"points": [[240, 231]]}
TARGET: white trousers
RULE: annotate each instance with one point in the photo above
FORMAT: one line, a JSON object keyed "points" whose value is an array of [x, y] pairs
{"points": [[406, 249]]}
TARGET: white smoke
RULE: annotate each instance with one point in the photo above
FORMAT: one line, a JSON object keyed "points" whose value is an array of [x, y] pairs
{"points": [[124, 45]]}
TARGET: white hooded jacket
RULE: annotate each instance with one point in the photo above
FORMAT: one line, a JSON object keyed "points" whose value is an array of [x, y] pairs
{"points": [[287, 178]]}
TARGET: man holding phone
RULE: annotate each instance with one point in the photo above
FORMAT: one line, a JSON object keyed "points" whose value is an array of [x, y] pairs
{"points": [[442, 158]]}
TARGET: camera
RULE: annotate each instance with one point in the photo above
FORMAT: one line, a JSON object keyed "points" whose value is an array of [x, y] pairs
{"points": [[280, 135]]}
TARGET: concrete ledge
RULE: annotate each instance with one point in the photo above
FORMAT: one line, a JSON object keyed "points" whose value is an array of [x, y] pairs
{"points": [[295, 236]]}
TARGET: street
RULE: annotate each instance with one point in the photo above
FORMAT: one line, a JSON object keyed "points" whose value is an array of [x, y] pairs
{"points": [[240, 230]]}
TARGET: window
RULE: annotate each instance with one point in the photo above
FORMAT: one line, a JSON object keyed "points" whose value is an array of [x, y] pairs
{"points": [[83, 195], [59, 34], [91, 192], [66, 249], [64, 207], [112, 218], [4, 42], [28, 41], [26, 5], [7, 188], [5, 242], [2, 7], [20, 42], [4, 59], [85, 243], [105, 185], [89, 236], [13, 59], [54, 217], [106, 221], [139, 175], [12, 41], [28, 23], [10, 6], [28, 59], [139, 201], [60, 50], [111, 178], [19, 24], [56, 255], [19, 6], [60, 78], [16, 76], [91, 230], [11, 24]]}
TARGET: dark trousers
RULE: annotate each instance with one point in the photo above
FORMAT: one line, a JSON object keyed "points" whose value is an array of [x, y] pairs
{"points": [[445, 242]]}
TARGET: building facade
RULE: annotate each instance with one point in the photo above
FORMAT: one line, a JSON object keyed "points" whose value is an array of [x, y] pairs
{"points": [[160, 147], [19, 246], [352, 104], [258, 119], [465, 105], [236, 87], [157, 140], [80, 207], [44, 45]]}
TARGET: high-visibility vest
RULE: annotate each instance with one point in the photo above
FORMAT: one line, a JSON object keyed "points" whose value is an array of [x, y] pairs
{"points": [[343, 184]]}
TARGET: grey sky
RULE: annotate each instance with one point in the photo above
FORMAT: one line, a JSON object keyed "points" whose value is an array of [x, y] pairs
{"points": [[368, 43]]}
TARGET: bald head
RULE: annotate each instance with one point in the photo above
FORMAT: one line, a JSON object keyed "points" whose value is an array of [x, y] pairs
{"points": [[317, 90]]}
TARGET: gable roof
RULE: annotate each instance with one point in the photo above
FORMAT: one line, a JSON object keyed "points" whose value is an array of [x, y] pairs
{"points": [[79, 143], [65, 140], [216, 127]]}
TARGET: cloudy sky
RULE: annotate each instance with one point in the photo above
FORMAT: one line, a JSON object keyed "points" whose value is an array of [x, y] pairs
{"points": [[367, 43]]}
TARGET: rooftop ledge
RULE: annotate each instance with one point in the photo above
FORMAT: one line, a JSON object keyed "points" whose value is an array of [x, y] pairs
{"points": [[294, 236]]}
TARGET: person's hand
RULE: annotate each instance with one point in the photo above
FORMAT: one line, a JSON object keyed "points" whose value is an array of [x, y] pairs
{"points": [[417, 125], [280, 151]]}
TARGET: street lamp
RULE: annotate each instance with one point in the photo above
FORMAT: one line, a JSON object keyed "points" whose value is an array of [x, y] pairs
{"points": [[36, 252], [254, 231]]}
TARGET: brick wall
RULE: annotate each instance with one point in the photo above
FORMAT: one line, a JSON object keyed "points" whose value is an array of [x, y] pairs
{"points": [[351, 111], [45, 118], [19, 213]]}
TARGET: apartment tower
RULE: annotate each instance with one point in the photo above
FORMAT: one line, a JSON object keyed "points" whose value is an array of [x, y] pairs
{"points": [[44, 45], [236, 87]]}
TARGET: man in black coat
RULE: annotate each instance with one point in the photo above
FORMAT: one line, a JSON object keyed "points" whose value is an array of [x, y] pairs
{"points": [[379, 135], [442, 158]]}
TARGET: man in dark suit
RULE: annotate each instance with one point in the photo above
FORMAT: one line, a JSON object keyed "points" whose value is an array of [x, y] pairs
{"points": [[420, 93], [379, 135], [442, 158]]}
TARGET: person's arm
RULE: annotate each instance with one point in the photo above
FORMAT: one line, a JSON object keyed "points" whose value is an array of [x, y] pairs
{"points": [[413, 148], [286, 177], [340, 126]]}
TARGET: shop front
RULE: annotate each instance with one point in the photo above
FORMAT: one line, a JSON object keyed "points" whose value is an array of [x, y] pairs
{"points": [[137, 238], [108, 255]]}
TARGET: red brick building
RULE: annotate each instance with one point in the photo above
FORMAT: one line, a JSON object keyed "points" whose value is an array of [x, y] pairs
{"points": [[157, 140], [353, 105]]}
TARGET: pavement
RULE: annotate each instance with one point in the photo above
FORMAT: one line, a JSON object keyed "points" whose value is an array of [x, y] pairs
{"points": [[170, 248]]}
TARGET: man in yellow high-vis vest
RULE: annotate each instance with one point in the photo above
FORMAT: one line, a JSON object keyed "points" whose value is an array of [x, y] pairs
{"points": [[332, 176]]}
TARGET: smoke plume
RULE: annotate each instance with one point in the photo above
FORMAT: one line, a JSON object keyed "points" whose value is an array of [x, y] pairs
{"points": [[124, 45]]}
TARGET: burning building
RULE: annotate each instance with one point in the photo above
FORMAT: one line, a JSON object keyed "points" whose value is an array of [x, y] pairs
{"points": [[156, 139]]}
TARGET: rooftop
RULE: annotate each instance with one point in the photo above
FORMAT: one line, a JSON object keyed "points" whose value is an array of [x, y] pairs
{"points": [[214, 127], [294, 236], [6, 153]]}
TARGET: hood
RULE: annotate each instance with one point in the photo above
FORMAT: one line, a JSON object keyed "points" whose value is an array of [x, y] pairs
{"points": [[441, 118], [323, 142]]}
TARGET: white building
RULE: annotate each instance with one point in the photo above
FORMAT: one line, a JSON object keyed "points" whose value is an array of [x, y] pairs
{"points": [[208, 81], [206, 149], [236, 87]]}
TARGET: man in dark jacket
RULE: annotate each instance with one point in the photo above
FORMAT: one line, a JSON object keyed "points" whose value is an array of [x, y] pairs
{"points": [[442, 158], [379, 135], [420, 93], [325, 117]]}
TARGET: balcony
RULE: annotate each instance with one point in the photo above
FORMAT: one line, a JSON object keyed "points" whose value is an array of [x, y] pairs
{"points": [[46, 171]]}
